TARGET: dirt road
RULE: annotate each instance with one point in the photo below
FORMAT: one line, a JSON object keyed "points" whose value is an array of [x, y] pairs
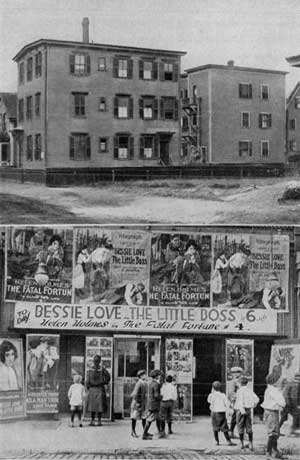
{"points": [[247, 201]]}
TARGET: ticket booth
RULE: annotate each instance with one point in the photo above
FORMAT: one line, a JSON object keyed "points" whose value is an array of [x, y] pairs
{"points": [[131, 354]]}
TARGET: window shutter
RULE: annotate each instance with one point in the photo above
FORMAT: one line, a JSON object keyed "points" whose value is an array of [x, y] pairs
{"points": [[141, 70], [155, 109], [142, 146], [154, 71], [240, 90], [175, 109], [88, 64], [130, 68], [260, 120], [270, 120], [156, 144], [131, 147], [176, 71], [72, 63], [141, 108], [250, 91], [130, 107], [161, 71], [116, 146], [162, 115], [116, 105], [250, 149], [72, 148], [88, 147], [115, 67]]}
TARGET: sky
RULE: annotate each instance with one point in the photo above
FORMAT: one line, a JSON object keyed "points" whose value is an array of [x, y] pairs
{"points": [[252, 33]]}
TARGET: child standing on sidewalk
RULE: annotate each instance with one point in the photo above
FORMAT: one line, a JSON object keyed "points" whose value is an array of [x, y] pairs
{"points": [[76, 397], [272, 404], [168, 397], [219, 404], [246, 400]]}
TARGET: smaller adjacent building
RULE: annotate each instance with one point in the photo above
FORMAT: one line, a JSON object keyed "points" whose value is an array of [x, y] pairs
{"points": [[292, 126], [232, 115], [8, 121]]}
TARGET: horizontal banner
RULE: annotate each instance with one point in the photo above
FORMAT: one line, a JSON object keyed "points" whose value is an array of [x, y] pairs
{"points": [[133, 318]]}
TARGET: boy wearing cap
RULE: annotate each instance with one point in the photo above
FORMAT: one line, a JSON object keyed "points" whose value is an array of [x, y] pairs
{"points": [[232, 387], [138, 403], [246, 400], [154, 403], [168, 393]]}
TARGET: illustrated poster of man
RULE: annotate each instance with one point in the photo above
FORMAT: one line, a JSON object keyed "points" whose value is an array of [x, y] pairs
{"points": [[180, 269], [11, 379], [284, 363], [39, 264], [111, 266], [42, 383]]}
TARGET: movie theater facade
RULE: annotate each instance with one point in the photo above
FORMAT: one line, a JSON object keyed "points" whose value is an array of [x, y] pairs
{"points": [[191, 301]]}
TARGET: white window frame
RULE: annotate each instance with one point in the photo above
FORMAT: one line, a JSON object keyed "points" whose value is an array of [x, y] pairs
{"points": [[249, 85], [101, 67], [297, 102], [262, 121], [249, 143], [261, 148], [261, 91], [148, 111], [242, 125], [122, 68], [147, 74]]}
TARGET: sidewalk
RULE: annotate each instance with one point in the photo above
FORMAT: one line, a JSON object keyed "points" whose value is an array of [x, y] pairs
{"points": [[57, 436]]}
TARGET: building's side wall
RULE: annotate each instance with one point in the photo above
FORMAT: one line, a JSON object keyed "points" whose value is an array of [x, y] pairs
{"points": [[293, 133], [101, 124], [226, 116]]}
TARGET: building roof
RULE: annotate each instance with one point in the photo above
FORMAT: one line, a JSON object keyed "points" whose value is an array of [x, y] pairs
{"points": [[10, 101], [293, 93], [90, 45], [293, 60], [232, 67]]}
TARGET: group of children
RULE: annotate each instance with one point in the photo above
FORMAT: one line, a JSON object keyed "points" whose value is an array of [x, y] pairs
{"points": [[245, 402]]}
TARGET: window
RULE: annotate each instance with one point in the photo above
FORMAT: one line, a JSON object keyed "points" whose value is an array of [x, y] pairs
{"points": [[245, 148], [102, 104], [29, 148], [148, 147], [123, 107], [148, 108], [79, 106], [122, 68], [264, 148], [38, 104], [29, 107], [265, 120], [264, 92], [148, 70], [123, 146], [101, 63], [38, 64], [80, 64], [292, 146], [21, 73], [292, 123], [103, 144], [245, 120], [168, 71], [80, 146], [169, 108], [184, 150], [184, 123], [38, 147], [297, 102], [245, 90], [29, 69], [21, 110], [195, 93]]}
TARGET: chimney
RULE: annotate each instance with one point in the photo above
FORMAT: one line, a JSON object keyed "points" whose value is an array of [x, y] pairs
{"points": [[230, 63], [85, 30]]}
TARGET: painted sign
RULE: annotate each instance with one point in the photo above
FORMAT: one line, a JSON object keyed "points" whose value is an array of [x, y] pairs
{"points": [[11, 379], [250, 271], [39, 264], [179, 364], [135, 318], [180, 269], [42, 383], [111, 267]]}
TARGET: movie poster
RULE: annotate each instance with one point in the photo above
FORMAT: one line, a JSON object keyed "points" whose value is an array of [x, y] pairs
{"points": [[102, 346], [11, 379], [239, 354], [39, 264], [284, 363], [111, 266], [180, 269], [179, 364], [42, 380], [250, 271]]}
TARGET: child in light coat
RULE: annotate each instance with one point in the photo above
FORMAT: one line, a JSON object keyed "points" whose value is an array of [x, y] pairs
{"points": [[246, 400], [219, 404], [76, 396]]}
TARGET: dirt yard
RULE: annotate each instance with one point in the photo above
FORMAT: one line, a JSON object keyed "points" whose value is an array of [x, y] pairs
{"points": [[203, 201]]}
